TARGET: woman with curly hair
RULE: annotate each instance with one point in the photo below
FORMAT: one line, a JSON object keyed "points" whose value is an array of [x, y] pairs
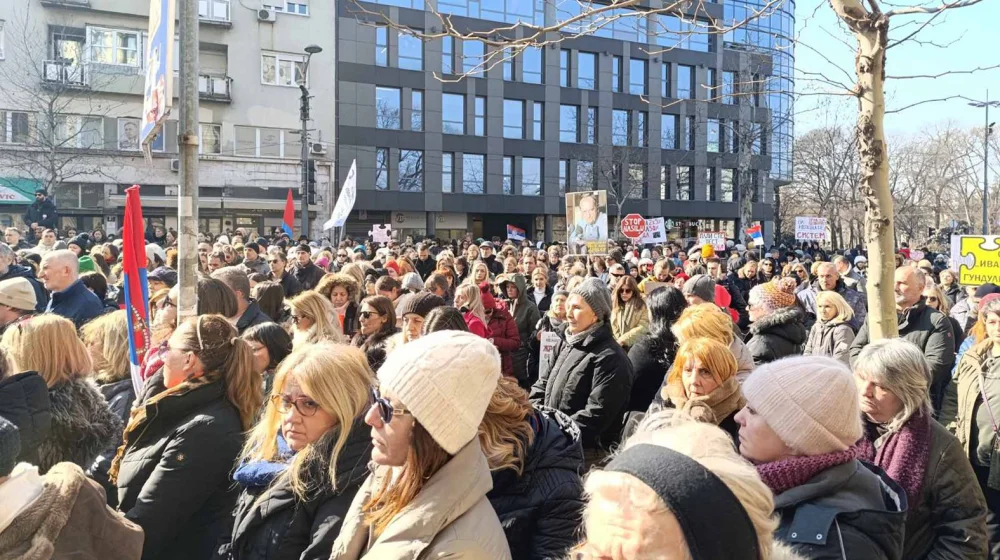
{"points": [[342, 291]]}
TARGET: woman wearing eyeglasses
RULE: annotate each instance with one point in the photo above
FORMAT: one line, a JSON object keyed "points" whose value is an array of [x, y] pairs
{"points": [[312, 320], [426, 497], [305, 459], [629, 319], [377, 320], [173, 468]]}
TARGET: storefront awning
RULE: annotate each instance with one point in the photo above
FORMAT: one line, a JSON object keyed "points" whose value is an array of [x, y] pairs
{"points": [[14, 190]]}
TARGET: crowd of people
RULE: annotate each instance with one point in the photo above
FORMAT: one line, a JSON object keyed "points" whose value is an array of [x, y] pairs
{"points": [[491, 400]]}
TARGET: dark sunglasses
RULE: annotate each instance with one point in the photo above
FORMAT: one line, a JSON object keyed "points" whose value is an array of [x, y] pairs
{"points": [[385, 409], [617, 275], [272, 261], [305, 406], [368, 315], [626, 291], [295, 319], [932, 299]]}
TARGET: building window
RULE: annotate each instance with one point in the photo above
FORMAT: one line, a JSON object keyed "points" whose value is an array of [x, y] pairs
{"points": [[447, 172], [2, 37], [586, 70], [568, 119], [585, 178], [452, 113], [728, 184], [217, 10], [690, 133], [636, 185], [710, 183], [729, 88], [531, 65], [381, 169], [297, 8], [669, 125], [411, 170], [411, 52], [637, 76], [590, 126], [564, 55], [508, 66], [685, 190], [640, 129], [563, 176], [537, 111], [210, 138], [713, 131], [665, 79], [381, 46], [664, 182], [282, 69], [688, 35], [266, 142], [114, 46], [447, 55], [472, 57], [685, 82], [616, 73], [512, 11], [513, 118], [15, 127], [77, 131], [508, 175], [711, 89], [531, 176], [387, 108], [619, 127], [480, 117], [473, 173], [416, 110], [756, 139]]}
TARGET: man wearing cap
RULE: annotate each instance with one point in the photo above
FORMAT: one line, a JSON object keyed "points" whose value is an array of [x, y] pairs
{"points": [[60, 272], [9, 269], [304, 269], [252, 263], [40, 215], [17, 301], [487, 256]]}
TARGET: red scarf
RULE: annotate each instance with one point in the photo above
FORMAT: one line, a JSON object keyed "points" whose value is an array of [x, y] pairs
{"points": [[795, 471], [904, 453]]}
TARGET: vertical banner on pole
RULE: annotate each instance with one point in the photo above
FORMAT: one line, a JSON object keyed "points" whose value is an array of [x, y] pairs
{"points": [[158, 94], [136, 289], [345, 203]]}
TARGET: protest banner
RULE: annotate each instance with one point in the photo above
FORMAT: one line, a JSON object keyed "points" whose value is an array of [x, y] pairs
{"points": [[808, 228]]}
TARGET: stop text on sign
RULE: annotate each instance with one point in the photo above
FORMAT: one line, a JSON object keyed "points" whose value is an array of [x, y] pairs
{"points": [[633, 226]]}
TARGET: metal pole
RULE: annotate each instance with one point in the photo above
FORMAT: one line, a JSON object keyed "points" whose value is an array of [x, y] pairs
{"points": [[304, 115], [187, 194], [986, 167]]}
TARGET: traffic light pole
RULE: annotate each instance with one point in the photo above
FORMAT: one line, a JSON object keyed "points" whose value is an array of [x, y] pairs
{"points": [[304, 138]]}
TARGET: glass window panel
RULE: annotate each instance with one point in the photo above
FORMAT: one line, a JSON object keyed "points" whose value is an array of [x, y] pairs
{"points": [[447, 172], [381, 169], [480, 114], [536, 120], [411, 52], [664, 182], [508, 175], [564, 56], [616, 73], [411, 170], [685, 82], [713, 131], [568, 119], [591, 126], [586, 72], [472, 57], [619, 127], [387, 108], [531, 176], [729, 81], [685, 189], [270, 142], [691, 133], [453, 113], [640, 129], [473, 173], [665, 79], [513, 118], [382, 46], [668, 131], [448, 55], [531, 62], [636, 181], [728, 184], [585, 177], [211, 138], [416, 110], [563, 176], [637, 77]]}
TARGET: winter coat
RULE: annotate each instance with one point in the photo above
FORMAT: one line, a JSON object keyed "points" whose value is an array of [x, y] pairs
{"points": [[374, 346], [507, 340], [449, 518], [120, 396], [651, 359], [82, 425], [41, 295], [271, 522], [956, 330], [966, 415], [289, 283], [852, 511], [425, 268], [948, 520], [76, 303], [855, 280], [854, 298], [930, 330], [543, 304], [526, 316], [308, 275], [628, 323], [738, 302], [258, 266], [24, 401], [744, 359], [545, 324], [173, 479], [476, 325], [831, 338], [954, 293], [495, 266], [252, 317], [589, 380], [67, 520], [779, 335], [965, 317], [42, 213], [741, 284]]}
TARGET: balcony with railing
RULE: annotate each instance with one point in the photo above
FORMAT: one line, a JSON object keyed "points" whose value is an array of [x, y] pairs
{"points": [[215, 88], [215, 12], [63, 73]]}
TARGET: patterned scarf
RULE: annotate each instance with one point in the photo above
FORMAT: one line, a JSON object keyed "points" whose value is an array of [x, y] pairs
{"points": [[712, 408], [902, 453], [790, 473]]}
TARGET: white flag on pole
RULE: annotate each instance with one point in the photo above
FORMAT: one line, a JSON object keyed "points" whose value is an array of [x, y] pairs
{"points": [[346, 201]]}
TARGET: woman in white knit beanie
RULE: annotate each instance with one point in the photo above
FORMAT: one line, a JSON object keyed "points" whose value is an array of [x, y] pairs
{"points": [[800, 427], [426, 497]]}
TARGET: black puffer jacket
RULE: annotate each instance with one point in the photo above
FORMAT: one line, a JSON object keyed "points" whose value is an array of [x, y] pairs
{"points": [[308, 275], [590, 381], [82, 425], [374, 346], [24, 401], [120, 396], [174, 477], [779, 335], [651, 357], [270, 522], [541, 509]]}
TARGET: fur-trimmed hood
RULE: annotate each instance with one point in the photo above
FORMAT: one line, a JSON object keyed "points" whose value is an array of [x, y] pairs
{"points": [[82, 425], [785, 322]]}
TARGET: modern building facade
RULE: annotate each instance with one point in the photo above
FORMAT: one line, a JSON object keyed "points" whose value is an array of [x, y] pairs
{"points": [[648, 108], [71, 79]]}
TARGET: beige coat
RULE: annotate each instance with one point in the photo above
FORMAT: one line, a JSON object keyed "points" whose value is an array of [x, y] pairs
{"points": [[450, 518], [628, 323]]}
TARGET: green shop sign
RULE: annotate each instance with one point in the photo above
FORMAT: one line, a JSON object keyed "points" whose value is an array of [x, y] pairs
{"points": [[18, 191]]}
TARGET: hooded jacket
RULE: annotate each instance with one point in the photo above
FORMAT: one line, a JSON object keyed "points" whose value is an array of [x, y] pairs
{"points": [[18, 271], [271, 522], [776, 336], [258, 266], [24, 401], [541, 509], [76, 303], [853, 510], [449, 518], [526, 316], [507, 340], [831, 338], [82, 425]]}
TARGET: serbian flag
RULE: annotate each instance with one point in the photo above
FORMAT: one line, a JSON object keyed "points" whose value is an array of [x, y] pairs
{"points": [[289, 218], [754, 233], [136, 289], [515, 233]]}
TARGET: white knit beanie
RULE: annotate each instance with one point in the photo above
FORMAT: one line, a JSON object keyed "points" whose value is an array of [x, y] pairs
{"points": [[446, 379], [810, 402]]}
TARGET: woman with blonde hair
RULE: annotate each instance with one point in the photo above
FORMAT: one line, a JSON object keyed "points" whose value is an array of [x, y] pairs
{"points": [[356, 271], [705, 320], [469, 301], [82, 422], [312, 320], [629, 318], [832, 334], [478, 274], [305, 458], [535, 457], [342, 290], [634, 512], [179, 448]]}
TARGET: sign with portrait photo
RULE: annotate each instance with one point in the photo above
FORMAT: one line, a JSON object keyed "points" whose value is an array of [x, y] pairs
{"points": [[587, 222], [158, 93]]}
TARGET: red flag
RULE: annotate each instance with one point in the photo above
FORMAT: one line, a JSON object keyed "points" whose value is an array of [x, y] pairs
{"points": [[289, 218], [136, 289]]}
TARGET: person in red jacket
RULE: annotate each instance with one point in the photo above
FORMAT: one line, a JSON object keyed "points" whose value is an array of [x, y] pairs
{"points": [[468, 300], [505, 335]]}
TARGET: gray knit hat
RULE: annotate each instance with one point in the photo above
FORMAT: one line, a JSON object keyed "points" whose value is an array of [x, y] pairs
{"points": [[597, 296], [10, 446], [700, 285]]}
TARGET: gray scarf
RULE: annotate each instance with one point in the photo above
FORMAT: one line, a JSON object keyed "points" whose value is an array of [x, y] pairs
{"points": [[573, 339]]}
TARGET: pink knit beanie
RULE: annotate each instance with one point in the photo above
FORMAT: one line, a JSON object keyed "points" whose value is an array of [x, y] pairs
{"points": [[810, 402]]}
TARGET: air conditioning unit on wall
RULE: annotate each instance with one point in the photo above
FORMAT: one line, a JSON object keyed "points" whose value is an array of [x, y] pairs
{"points": [[267, 14], [317, 149]]}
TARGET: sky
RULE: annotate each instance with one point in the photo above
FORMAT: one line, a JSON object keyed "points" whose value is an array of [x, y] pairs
{"points": [[966, 35]]}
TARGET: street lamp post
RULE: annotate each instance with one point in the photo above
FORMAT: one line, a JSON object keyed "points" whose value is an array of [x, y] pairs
{"points": [[304, 138], [987, 130]]}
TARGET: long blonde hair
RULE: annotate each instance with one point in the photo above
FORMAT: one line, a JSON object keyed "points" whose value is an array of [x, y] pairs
{"points": [[338, 378], [471, 278], [318, 308], [48, 344], [474, 300], [110, 331], [505, 433]]}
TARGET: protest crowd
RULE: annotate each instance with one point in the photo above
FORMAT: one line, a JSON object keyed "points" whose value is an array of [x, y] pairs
{"points": [[487, 399]]}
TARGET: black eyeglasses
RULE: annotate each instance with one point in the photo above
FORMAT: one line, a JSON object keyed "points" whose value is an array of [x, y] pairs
{"points": [[385, 409], [304, 405], [368, 315]]}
